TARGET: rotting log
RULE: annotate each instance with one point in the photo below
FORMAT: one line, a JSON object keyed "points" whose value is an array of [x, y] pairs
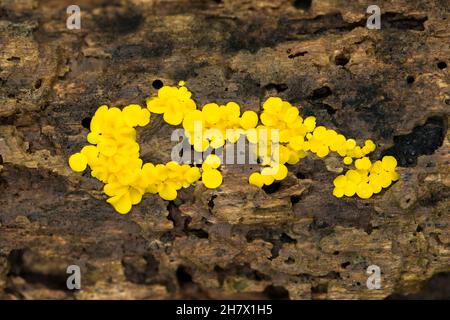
{"points": [[294, 240]]}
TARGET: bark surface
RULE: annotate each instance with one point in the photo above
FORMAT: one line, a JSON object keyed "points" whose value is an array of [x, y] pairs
{"points": [[291, 240]]}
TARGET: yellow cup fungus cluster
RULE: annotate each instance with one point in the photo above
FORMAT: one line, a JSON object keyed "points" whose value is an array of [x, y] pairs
{"points": [[114, 159], [173, 102], [280, 135], [367, 179], [214, 124], [211, 176]]}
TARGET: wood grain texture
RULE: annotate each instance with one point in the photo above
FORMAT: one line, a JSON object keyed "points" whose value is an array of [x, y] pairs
{"points": [[294, 240]]}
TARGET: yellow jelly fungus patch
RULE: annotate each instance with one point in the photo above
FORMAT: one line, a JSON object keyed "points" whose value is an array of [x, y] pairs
{"points": [[213, 161], [354, 176], [364, 190], [350, 188], [122, 203], [389, 163], [211, 113], [280, 171], [256, 179], [340, 181], [310, 124], [348, 160], [338, 192], [173, 102], [78, 162], [212, 178], [249, 120], [167, 191], [363, 163], [113, 153], [368, 178]]}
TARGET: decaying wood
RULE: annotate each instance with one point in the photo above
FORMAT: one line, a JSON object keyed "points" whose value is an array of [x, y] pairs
{"points": [[293, 240]]}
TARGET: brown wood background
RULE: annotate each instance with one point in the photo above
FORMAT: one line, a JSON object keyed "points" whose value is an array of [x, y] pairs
{"points": [[294, 240]]}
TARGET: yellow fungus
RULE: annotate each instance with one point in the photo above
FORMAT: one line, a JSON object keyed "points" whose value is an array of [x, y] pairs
{"points": [[267, 176], [173, 117], [212, 178], [364, 190], [338, 192], [192, 175], [122, 203], [385, 179], [348, 160], [233, 110], [272, 103], [350, 188], [281, 171], [268, 119], [107, 147], [78, 162], [394, 176], [310, 123], [363, 163], [290, 115], [167, 191], [376, 167], [350, 143], [91, 153], [280, 134], [144, 118], [173, 102], [115, 189], [389, 163], [135, 196], [296, 143], [319, 133], [211, 113], [375, 184], [132, 114], [213, 161], [256, 179], [322, 151], [340, 181], [93, 137], [369, 146], [337, 142], [354, 176], [233, 135], [249, 119]]}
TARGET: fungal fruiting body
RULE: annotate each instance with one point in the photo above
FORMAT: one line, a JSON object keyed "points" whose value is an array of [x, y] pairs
{"points": [[113, 153]]}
